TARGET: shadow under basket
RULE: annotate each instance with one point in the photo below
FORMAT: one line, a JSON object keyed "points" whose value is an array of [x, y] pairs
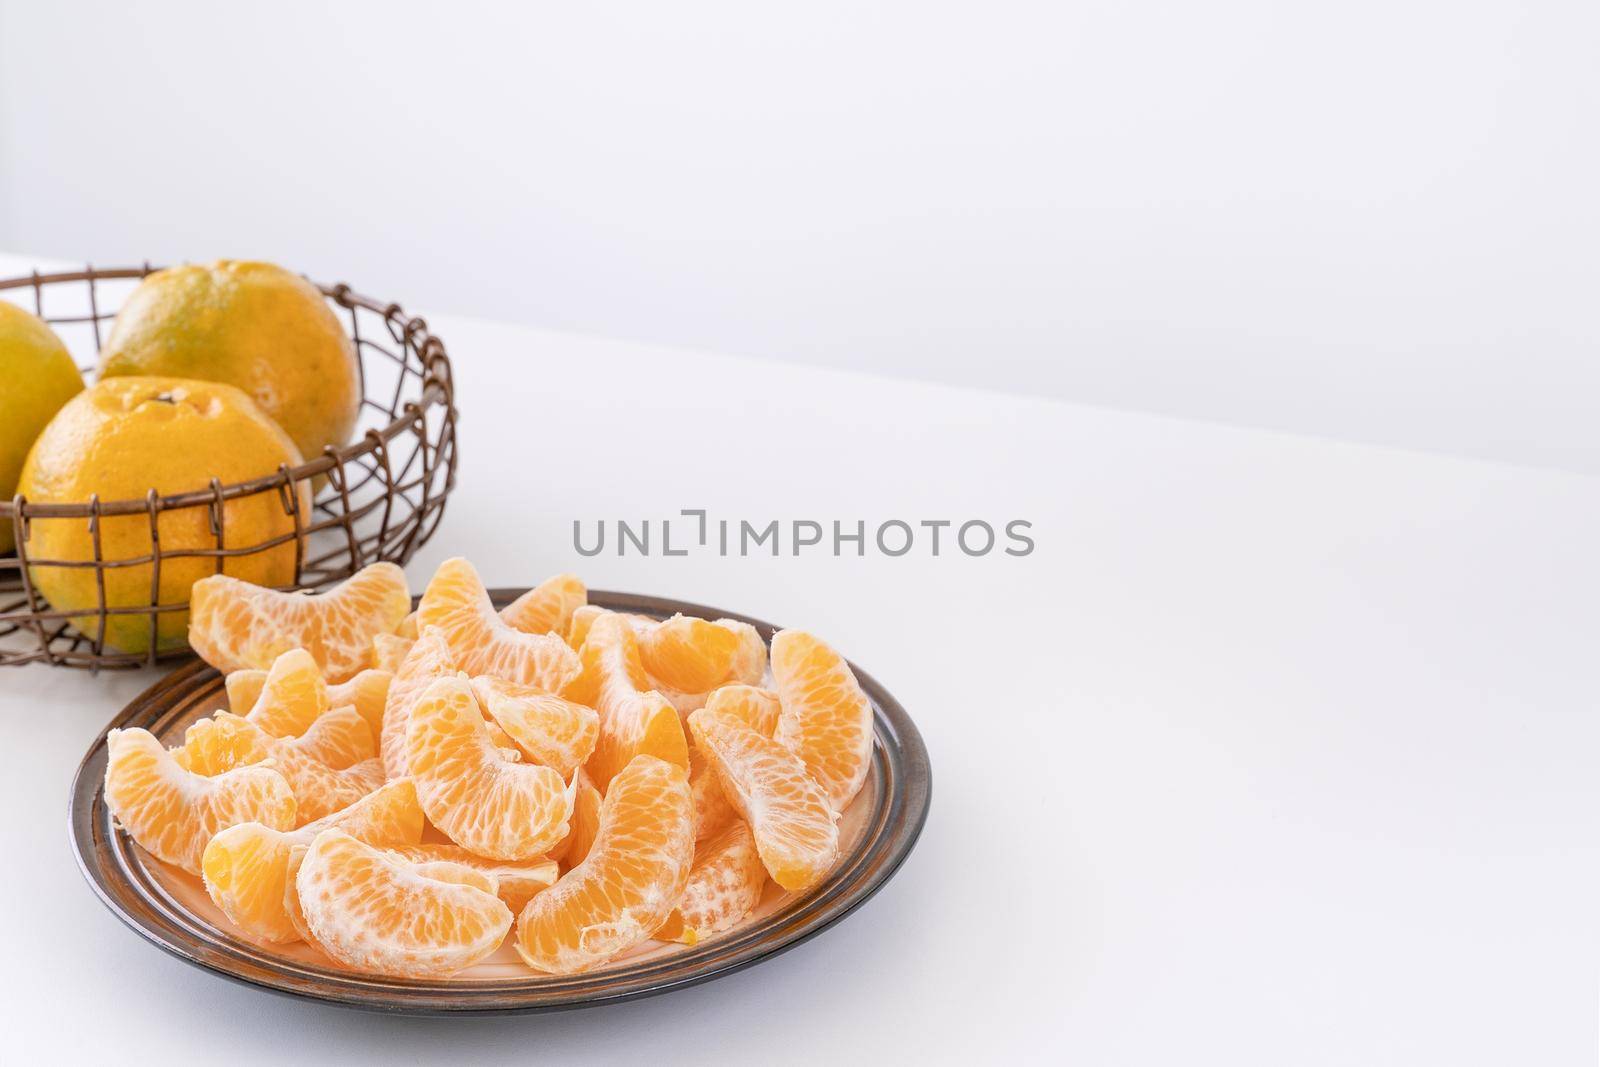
{"points": [[380, 497]]}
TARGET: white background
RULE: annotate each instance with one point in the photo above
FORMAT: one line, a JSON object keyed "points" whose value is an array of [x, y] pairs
{"points": [[1374, 220]]}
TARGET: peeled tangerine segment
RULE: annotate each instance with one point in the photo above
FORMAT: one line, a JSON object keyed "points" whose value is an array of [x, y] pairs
{"points": [[634, 720], [172, 812], [338, 739], [688, 654], [582, 827], [477, 798], [292, 696], [372, 910], [211, 747], [794, 826], [547, 729], [389, 651], [366, 692], [756, 708], [546, 608], [481, 642], [750, 662], [578, 626], [320, 790], [514, 881], [428, 660], [724, 885], [826, 719], [390, 815], [712, 812], [234, 624], [244, 687], [291, 893], [627, 885], [687, 658], [225, 740], [246, 867]]}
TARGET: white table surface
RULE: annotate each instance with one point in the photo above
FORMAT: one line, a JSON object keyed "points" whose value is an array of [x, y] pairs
{"points": [[1276, 750]]}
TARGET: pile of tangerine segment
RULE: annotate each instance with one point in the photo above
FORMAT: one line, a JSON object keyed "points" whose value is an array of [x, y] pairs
{"points": [[398, 788]]}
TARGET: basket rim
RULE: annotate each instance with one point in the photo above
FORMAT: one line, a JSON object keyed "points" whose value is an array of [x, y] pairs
{"points": [[436, 390]]}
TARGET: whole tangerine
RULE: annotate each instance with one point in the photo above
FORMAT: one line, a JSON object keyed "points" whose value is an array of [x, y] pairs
{"points": [[252, 325], [39, 377], [122, 438]]}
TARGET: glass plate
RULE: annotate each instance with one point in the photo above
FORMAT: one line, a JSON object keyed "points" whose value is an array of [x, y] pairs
{"points": [[169, 907]]}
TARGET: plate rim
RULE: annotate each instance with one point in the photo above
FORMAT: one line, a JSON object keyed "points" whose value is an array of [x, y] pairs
{"points": [[907, 789]]}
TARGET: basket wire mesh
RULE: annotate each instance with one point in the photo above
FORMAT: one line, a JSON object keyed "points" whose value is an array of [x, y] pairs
{"points": [[378, 497]]}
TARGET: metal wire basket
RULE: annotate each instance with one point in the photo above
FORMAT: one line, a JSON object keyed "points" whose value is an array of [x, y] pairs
{"points": [[380, 497]]}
